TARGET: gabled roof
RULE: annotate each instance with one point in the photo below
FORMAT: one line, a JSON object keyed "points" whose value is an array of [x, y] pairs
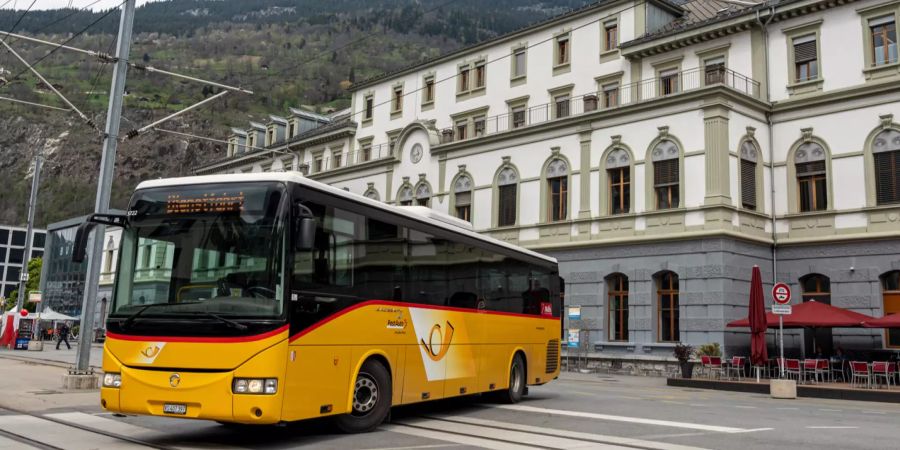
{"points": [[238, 131], [277, 119], [697, 13], [257, 125], [309, 114]]}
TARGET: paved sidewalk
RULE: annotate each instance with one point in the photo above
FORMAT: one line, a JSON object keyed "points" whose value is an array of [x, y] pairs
{"points": [[50, 355]]}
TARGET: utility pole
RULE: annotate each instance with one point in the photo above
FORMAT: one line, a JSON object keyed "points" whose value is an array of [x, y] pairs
{"points": [[29, 234], [104, 187]]}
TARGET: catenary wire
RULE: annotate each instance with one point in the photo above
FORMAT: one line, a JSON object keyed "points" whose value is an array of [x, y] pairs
{"points": [[74, 12], [74, 36]]}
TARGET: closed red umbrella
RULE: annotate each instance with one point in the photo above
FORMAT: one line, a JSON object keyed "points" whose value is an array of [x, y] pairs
{"points": [[759, 354], [891, 321]]}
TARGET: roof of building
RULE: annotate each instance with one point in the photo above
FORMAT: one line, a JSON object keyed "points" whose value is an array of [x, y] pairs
{"points": [[257, 125], [308, 114], [697, 13], [669, 4], [277, 119], [238, 131], [295, 177]]}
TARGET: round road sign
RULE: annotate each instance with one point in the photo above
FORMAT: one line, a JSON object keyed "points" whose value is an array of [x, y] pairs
{"points": [[781, 293]]}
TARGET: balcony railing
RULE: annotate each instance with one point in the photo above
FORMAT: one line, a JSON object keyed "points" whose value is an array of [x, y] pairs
{"points": [[608, 98], [360, 156]]}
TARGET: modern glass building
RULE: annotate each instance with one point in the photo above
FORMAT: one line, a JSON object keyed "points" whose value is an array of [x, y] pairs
{"points": [[12, 255]]}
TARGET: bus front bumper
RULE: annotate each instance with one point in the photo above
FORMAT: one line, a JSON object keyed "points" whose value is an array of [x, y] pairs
{"points": [[188, 394]]}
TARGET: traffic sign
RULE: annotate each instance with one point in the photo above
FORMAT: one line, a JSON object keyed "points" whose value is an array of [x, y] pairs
{"points": [[781, 293], [781, 310], [34, 296], [574, 313]]}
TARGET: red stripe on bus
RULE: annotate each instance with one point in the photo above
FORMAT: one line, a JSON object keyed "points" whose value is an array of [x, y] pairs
{"points": [[410, 305], [255, 337]]}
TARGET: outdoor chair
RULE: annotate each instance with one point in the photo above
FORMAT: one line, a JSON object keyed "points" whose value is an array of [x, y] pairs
{"points": [[736, 367], [882, 369], [815, 368], [715, 367], [793, 369], [704, 366], [859, 371], [837, 370]]}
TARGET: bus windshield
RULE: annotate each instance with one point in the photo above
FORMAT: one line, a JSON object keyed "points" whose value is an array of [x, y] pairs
{"points": [[205, 251]]}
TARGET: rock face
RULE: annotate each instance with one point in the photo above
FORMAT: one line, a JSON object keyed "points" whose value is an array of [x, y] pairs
{"points": [[72, 163]]}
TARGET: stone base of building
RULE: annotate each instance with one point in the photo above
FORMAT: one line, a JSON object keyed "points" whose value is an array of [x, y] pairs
{"points": [[619, 365]]}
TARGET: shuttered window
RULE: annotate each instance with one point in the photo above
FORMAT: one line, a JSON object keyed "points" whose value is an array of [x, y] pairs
{"points": [[813, 186], [806, 58], [887, 177], [748, 184], [506, 216], [665, 182]]}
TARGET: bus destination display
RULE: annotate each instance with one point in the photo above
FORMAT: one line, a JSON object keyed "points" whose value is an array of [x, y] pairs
{"points": [[208, 202]]}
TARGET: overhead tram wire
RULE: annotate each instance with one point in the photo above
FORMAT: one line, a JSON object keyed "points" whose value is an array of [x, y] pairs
{"points": [[22, 16], [74, 12], [100, 70], [61, 45]]}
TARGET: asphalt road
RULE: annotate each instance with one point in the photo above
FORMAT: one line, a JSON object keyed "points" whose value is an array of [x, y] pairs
{"points": [[577, 411]]}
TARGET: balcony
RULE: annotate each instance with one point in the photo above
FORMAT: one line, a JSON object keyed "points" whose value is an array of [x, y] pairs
{"points": [[611, 97], [363, 155]]}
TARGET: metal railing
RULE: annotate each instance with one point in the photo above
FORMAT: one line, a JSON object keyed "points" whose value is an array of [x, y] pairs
{"points": [[607, 98], [360, 156]]}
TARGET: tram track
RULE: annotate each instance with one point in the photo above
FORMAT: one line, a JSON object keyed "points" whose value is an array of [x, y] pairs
{"points": [[44, 445]]}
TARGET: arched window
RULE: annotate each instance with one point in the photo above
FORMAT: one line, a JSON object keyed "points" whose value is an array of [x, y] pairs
{"points": [[812, 180], [666, 176], [816, 287], [423, 194], [507, 197], [890, 285], [618, 171], [749, 161], [406, 196], [668, 313], [617, 303], [462, 197], [557, 190], [886, 154]]}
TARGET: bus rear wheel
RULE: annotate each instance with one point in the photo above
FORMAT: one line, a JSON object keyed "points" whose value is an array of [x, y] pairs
{"points": [[371, 399], [517, 382]]}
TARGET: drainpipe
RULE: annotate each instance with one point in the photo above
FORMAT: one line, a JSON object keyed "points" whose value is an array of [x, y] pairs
{"points": [[764, 23]]}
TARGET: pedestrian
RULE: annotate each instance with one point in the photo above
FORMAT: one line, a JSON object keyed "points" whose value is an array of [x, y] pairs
{"points": [[63, 336]]}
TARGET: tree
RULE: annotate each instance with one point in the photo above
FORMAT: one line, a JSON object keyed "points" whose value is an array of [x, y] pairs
{"points": [[33, 284]]}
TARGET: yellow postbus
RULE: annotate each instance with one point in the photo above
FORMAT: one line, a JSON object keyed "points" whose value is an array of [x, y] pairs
{"points": [[268, 298]]}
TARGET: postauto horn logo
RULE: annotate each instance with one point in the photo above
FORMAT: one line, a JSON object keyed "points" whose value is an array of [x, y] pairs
{"points": [[438, 341]]}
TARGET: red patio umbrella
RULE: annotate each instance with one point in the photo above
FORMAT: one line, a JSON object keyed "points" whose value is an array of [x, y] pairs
{"points": [[758, 352], [813, 314], [891, 321]]}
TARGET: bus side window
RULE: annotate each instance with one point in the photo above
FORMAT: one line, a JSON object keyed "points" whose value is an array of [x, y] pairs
{"points": [[380, 261], [462, 276], [426, 280]]}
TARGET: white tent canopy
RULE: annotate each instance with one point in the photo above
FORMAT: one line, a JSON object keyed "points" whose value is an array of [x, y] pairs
{"points": [[51, 315]]}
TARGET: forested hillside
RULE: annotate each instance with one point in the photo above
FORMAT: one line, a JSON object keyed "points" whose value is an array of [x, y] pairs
{"points": [[289, 52]]}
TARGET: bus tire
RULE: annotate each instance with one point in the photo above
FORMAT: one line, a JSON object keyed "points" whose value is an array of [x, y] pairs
{"points": [[517, 382], [371, 399]]}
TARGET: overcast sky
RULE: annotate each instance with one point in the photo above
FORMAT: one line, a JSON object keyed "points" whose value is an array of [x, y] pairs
{"points": [[54, 4]]}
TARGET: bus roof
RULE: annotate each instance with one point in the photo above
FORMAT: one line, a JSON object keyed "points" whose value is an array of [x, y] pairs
{"points": [[295, 177]]}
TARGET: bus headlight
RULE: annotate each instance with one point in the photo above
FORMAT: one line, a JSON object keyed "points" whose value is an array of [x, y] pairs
{"points": [[255, 385], [112, 380]]}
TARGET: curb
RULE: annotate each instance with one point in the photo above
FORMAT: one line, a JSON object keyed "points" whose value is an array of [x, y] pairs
{"points": [[43, 362]]}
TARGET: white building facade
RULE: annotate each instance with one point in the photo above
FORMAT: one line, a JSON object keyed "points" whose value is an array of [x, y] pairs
{"points": [[658, 149]]}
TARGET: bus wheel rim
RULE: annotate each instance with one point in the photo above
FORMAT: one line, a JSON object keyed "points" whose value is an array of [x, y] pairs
{"points": [[365, 394], [516, 378]]}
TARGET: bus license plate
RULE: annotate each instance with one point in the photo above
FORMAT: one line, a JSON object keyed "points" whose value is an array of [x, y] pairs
{"points": [[174, 408]]}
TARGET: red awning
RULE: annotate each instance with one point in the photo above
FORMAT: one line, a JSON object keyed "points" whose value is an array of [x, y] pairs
{"points": [[891, 321], [813, 314]]}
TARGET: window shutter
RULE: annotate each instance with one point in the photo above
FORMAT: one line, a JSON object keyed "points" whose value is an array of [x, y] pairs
{"points": [[811, 168], [887, 177], [665, 172], [748, 184], [805, 51]]}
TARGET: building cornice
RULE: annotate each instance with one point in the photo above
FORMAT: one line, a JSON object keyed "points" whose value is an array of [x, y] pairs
{"points": [[720, 26]]}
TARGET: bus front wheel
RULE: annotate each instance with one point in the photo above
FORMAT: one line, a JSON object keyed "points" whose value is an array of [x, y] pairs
{"points": [[517, 382], [371, 399]]}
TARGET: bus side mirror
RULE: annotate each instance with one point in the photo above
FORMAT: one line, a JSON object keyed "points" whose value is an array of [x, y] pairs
{"points": [[81, 238], [305, 234]]}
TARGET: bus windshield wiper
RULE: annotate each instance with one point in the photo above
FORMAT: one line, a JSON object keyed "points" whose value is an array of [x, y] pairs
{"points": [[229, 322], [130, 320]]}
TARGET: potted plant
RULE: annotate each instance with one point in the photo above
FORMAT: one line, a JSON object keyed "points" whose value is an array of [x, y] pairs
{"points": [[683, 353]]}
